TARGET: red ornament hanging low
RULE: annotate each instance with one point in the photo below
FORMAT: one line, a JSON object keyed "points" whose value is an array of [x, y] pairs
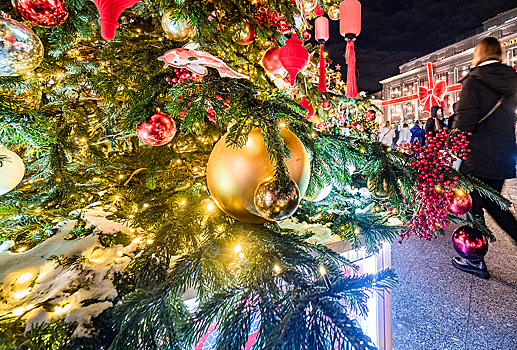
{"points": [[306, 35], [321, 32], [42, 13], [350, 27], [157, 130], [294, 57], [306, 104], [247, 35], [109, 11], [461, 203], [271, 61]]}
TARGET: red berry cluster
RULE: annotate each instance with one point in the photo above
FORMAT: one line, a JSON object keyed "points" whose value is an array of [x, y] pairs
{"points": [[182, 74], [269, 19], [433, 192]]}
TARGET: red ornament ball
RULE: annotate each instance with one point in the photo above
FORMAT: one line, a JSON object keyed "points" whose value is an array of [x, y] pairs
{"points": [[42, 13], [271, 61], [326, 105], [306, 35], [157, 131], [469, 243], [247, 35], [461, 203], [371, 115]]}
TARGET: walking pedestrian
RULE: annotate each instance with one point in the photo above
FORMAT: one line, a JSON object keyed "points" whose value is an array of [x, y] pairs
{"points": [[405, 135], [486, 109], [417, 134], [435, 122], [387, 134]]}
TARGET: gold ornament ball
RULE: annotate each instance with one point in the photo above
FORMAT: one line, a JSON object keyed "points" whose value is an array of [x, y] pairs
{"points": [[234, 173], [334, 12], [309, 5], [177, 30], [383, 190], [274, 205]]}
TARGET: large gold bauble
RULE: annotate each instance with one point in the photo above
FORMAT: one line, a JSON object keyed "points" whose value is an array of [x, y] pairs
{"points": [[234, 173], [309, 5], [177, 30]]}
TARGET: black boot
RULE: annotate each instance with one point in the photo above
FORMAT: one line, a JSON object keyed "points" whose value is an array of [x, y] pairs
{"points": [[477, 268]]}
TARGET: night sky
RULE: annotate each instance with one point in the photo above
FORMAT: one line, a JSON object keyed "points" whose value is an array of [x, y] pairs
{"points": [[394, 31]]}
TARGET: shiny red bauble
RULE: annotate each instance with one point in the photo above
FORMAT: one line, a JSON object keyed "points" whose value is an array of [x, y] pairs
{"points": [[248, 35], [371, 115], [306, 35], [307, 105], [469, 243], [294, 57], [326, 105], [157, 130], [42, 13], [271, 61], [461, 203]]}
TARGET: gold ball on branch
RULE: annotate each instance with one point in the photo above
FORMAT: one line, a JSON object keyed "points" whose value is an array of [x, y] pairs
{"points": [[379, 187], [177, 30], [334, 12], [272, 204], [234, 173], [309, 5]]}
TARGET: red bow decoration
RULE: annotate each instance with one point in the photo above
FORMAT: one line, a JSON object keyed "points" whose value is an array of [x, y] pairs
{"points": [[433, 96]]}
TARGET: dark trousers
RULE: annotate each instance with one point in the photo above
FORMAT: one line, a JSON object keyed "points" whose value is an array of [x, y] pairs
{"points": [[504, 218]]}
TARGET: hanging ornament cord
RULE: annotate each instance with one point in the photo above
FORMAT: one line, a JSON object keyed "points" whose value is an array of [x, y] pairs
{"points": [[299, 6], [351, 83], [322, 84]]}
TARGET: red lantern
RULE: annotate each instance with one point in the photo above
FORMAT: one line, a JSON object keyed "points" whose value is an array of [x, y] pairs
{"points": [[271, 61], [461, 203], [321, 31], [157, 131], [109, 11], [306, 104], [42, 13], [350, 27], [294, 57]]}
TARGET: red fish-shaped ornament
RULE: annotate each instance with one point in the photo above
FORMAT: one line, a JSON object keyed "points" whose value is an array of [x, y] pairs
{"points": [[196, 61]]}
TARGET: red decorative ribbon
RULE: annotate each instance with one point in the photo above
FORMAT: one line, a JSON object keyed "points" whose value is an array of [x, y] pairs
{"points": [[432, 97]]}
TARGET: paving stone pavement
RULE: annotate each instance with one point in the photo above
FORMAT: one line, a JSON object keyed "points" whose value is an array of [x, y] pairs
{"points": [[437, 307]]}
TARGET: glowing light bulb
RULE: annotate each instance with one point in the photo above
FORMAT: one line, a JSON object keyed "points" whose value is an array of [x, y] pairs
{"points": [[210, 207], [277, 268], [219, 228], [282, 125], [146, 205], [241, 255], [149, 241], [22, 249], [237, 249], [323, 271], [137, 240], [357, 231]]}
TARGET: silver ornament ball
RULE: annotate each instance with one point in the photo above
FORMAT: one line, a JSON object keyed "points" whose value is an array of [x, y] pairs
{"points": [[21, 51], [274, 205], [177, 30]]}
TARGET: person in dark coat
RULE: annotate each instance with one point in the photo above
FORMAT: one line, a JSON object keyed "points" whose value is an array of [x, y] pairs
{"points": [[493, 151], [417, 134], [436, 122]]}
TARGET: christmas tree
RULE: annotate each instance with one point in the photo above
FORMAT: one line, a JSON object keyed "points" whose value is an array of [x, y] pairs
{"points": [[128, 187]]}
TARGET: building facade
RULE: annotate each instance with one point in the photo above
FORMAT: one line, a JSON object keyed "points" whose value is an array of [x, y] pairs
{"points": [[449, 64]]}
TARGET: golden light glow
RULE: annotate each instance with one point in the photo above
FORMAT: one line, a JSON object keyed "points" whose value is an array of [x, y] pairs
{"points": [[357, 231], [389, 149], [21, 294], [119, 253], [219, 228], [18, 311], [323, 271], [210, 207], [41, 275], [182, 203], [24, 277], [58, 310], [277, 268], [237, 249], [21, 250], [241, 255], [282, 125], [137, 240], [149, 241]]}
